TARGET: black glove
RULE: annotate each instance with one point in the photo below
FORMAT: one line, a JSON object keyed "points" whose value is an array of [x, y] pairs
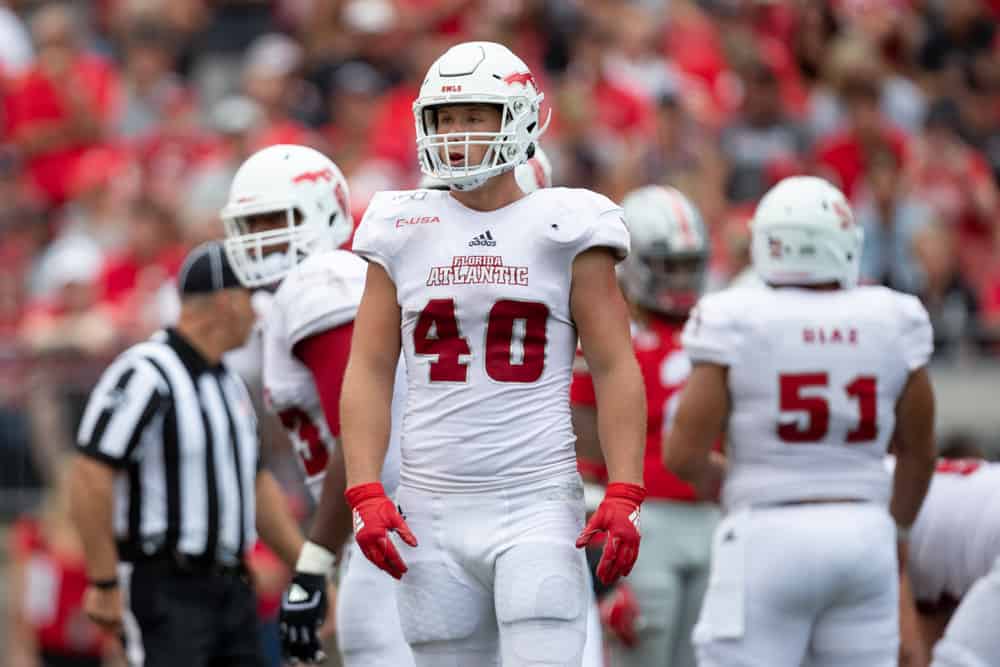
{"points": [[303, 610]]}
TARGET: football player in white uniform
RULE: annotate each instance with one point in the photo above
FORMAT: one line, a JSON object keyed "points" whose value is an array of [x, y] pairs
{"points": [[486, 288], [809, 377], [285, 220], [954, 556]]}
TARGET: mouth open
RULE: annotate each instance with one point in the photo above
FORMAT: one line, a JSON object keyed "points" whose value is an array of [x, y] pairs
{"points": [[456, 159]]}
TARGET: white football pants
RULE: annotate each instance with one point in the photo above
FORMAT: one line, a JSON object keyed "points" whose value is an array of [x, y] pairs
{"points": [[496, 578], [815, 584], [368, 629]]}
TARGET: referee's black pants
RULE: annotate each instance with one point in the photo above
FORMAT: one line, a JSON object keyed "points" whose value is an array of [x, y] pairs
{"points": [[190, 617]]}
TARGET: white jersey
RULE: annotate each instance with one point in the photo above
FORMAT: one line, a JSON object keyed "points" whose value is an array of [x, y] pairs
{"points": [[487, 333], [956, 537], [321, 293], [814, 377]]}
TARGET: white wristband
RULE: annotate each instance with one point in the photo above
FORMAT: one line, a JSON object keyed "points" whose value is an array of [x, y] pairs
{"points": [[903, 533], [314, 559]]}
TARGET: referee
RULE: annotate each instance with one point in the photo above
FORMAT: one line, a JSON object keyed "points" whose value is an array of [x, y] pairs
{"points": [[166, 488]]}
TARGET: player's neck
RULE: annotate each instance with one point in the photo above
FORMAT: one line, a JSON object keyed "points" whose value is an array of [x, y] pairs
{"points": [[495, 193]]}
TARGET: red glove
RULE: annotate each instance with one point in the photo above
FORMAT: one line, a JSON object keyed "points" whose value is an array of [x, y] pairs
{"points": [[618, 514], [620, 614], [374, 517]]}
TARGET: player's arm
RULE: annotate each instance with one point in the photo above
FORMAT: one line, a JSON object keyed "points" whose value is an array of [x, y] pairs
{"points": [[365, 409], [325, 354], [275, 523], [914, 447], [601, 317], [698, 423], [305, 603], [366, 399]]}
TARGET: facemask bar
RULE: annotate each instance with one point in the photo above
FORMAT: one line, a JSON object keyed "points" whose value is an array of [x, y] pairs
{"points": [[264, 258], [505, 150], [673, 290]]}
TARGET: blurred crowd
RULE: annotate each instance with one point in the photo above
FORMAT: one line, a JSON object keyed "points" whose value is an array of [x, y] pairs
{"points": [[123, 121]]}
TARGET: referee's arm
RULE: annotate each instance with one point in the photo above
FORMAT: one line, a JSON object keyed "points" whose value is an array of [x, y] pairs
{"points": [[120, 408], [276, 524]]}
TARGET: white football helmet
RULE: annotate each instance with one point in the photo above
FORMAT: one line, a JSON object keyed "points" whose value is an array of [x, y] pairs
{"points": [[665, 269], [804, 233], [478, 73], [303, 184]]}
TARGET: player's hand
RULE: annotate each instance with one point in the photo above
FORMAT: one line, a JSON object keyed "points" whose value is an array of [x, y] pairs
{"points": [[374, 517], [618, 515], [104, 607], [620, 614], [303, 609]]}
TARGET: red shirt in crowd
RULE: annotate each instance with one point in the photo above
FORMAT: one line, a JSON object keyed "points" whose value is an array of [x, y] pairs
{"points": [[843, 155], [120, 273], [664, 368], [35, 101]]}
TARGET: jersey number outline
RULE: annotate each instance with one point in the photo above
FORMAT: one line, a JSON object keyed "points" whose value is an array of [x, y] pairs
{"points": [[862, 389], [516, 337], [313, 452]]}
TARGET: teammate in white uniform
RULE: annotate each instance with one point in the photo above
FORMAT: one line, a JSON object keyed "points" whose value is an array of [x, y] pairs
{"points": [[486, 289], [809, 377], [286, 216], [954, 545]]}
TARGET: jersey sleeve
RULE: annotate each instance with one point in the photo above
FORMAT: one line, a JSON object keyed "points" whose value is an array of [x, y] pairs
{"points": [[917, 335], [373, 240], [321, 295], [121, 407], [609, 231], [605, 224], [713, 333]]}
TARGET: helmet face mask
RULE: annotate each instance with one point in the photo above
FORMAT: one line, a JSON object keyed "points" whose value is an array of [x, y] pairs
{"points": [[804, 233], [305, 195], [665, 272], [266, 253], [477, 73], [670, 285]]}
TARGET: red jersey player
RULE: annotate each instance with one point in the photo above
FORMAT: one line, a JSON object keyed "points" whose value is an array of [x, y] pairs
{"points": [[662, 279]]}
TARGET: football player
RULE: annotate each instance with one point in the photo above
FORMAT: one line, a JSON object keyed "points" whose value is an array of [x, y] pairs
{"points": [[486, 289], [954, 552], [809, 377], [285, 221], [662, 278]]}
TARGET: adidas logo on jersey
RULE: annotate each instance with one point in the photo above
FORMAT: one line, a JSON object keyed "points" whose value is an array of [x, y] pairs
{"points": [[484, 239]]}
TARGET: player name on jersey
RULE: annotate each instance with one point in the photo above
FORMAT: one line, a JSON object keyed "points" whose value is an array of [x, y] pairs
{"points": [[477, 270], [822, 336]]}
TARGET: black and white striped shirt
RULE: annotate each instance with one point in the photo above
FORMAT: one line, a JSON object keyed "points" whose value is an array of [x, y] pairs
{"points": [[184, 435]]}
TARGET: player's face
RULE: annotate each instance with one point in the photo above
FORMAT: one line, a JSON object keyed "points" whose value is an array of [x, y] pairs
{"points": [[266, 222], [467, 119]]}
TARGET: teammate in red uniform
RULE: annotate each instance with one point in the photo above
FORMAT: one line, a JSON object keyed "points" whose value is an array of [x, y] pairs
{"points": [[662, 279]]}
